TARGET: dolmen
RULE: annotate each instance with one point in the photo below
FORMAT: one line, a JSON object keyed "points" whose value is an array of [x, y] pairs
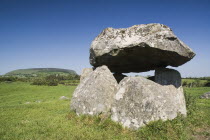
{"points": [[133, 101]]}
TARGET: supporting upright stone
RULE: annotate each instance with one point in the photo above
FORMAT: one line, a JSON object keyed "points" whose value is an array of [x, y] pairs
{"points": [[85, 73], [165, 76], [139, 101], [95, 93]]}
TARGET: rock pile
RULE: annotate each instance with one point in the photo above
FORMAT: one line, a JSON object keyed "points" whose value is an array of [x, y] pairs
{"points": [[133, 101]]}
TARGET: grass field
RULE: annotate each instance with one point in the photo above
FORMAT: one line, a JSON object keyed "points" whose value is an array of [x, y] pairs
{"points": [[194, 83], [193, 80], [32, 112]]}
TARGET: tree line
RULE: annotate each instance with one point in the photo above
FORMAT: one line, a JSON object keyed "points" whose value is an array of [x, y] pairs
{"points": [[50, 80]]}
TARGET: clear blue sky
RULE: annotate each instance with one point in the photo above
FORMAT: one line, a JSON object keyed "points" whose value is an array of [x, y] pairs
{"points": [[58, 33]]}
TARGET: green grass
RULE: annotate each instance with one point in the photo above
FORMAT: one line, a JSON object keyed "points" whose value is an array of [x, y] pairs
{"points": [[188, 81], [193, 80], [52, 119]]}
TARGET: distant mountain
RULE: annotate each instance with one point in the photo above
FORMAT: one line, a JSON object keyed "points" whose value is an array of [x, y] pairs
{"points": [[40, 72]]}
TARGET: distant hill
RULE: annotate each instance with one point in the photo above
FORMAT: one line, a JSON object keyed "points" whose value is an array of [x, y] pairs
{"points": [[33, 72]]}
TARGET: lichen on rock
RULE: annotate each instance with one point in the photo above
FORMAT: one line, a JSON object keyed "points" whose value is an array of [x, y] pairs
{"points": [[95, 93], [139, 48], [139, 101]]}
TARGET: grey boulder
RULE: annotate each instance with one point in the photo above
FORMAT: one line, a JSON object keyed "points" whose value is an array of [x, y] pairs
{"points": [[95, 93], [205, 96], [85, 73], [138, 48], [139, 101]]}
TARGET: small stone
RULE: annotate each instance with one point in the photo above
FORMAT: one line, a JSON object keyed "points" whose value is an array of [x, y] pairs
{"points": [[38, 101], [64, 98], [205, 95]]}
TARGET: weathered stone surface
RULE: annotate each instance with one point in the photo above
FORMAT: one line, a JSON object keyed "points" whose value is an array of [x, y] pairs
{"points": [[119, 76], [139, 48], [165, 76], [205, 96], [85, 73], [95, 93], [139, 101]]}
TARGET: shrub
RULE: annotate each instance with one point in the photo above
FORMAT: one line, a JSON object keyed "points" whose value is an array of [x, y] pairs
{"points": [[52, 83], [184, 84], [8, 79], [197, 83], [207, 84], [39, 82], [44, 82], [62, 82]]}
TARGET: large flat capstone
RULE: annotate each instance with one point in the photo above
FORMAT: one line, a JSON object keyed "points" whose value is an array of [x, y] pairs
{"points": [[139, 101], [95, 93], [139, 48]]}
